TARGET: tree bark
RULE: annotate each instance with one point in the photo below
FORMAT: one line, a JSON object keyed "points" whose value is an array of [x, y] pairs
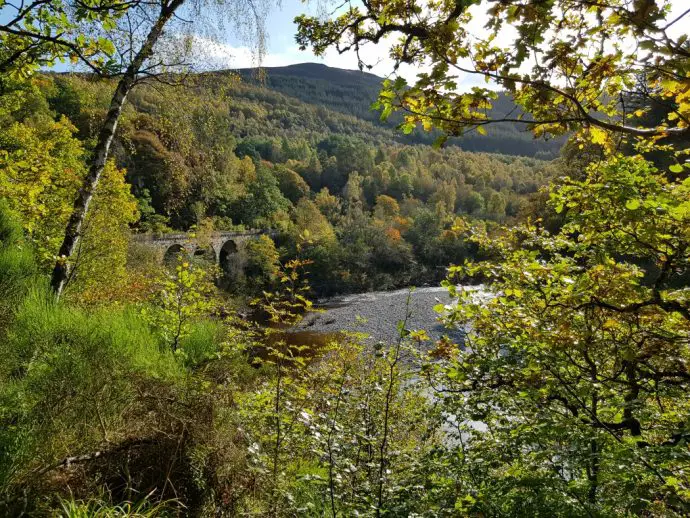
{"points": [[61, 272]]}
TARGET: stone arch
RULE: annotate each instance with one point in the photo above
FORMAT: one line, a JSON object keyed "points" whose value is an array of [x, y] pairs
{"points": [[227, 256], [172, 253]]}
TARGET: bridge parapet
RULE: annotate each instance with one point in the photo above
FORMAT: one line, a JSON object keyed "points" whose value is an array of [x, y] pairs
{"points": [[226, 248]]}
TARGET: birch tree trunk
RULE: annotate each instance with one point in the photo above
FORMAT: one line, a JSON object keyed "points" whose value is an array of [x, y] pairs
{"points": [[61, 272]]}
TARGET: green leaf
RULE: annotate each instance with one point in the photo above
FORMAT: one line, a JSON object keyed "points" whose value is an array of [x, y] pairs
{"points": [[385, 113], [632, 204], [440, 141], [407, 127]]}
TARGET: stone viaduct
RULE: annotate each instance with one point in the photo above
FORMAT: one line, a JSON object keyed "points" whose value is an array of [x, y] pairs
{"points": [[227, 249]]}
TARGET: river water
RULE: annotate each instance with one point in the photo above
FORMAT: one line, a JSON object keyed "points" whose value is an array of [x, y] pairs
{"points": [[376, 314]]}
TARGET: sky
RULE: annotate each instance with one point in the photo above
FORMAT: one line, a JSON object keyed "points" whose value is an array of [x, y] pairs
{"points": [[281, 49], [227, 50]]}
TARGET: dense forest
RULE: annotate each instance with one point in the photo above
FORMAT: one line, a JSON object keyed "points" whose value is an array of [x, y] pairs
{"points": [[379, 214], [352, 93], [554, 214]]}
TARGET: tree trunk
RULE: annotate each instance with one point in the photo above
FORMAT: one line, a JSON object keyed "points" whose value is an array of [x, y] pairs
{"points": [[61, 272]]}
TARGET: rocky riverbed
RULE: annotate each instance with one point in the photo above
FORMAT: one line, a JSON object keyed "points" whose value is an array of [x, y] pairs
{"points": [[377, 314]]}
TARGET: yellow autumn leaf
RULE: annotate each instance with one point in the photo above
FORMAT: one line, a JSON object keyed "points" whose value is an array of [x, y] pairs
{"points": [[609, 324], [598, 136]]}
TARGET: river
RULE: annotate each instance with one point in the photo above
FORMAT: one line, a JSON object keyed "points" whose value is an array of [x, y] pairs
{"points": [[376, 314]]}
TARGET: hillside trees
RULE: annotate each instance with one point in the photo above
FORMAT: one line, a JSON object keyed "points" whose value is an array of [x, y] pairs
{"points": [[184, 168], [350, 93], [264, 204]]}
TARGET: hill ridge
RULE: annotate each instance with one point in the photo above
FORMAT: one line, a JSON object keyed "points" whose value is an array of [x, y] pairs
{"points": [[352, 92]]}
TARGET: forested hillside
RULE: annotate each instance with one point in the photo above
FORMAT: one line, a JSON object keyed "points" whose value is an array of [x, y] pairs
{"points": [[218, 152], [352, 92]]}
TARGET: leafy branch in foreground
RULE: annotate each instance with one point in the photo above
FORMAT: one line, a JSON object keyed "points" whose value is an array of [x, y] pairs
{"points": [[578, 367], [41, 33], [571, 65]]}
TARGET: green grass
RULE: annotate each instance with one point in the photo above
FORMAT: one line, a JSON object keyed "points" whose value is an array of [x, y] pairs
{"points": [[96, 508], [18, 271], [202, 343], [76, 380], [68, 381]]}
